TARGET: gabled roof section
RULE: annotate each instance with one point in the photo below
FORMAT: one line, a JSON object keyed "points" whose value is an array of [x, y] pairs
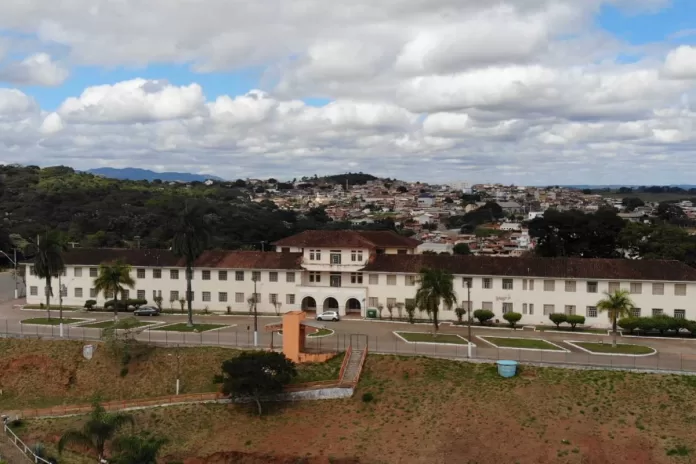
{"points": [[134, 257], [348, 239], [249, 260], [560, 268]]}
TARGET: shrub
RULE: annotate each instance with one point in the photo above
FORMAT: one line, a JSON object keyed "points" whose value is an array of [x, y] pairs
{"points": [[483, 315], [575, 319], [512, 318], [558, 319], [90, 304], [663, 323], [229, 309], [629, 323], [645, 324], [460, 312], [410, 312], [121, 305], [368, 397]]}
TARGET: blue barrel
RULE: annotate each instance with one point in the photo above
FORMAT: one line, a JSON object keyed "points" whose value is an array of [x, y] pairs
{"points": [[507, 368]]}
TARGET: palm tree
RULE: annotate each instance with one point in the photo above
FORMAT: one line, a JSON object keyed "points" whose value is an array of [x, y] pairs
{"points": [[130, 449], [617, 305], [191, 238], [112, 279], [97, 431], [48, 262], [436, 287]]}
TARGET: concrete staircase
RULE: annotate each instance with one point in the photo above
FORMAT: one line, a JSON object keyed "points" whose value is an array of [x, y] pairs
{"points": [[352, 371]]}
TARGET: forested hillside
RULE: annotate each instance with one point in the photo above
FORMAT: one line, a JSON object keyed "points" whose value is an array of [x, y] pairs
{"points": [[100, 212]]}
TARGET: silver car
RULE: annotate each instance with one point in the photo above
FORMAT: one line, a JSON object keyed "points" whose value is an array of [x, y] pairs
{"points": [[328, 316], [147, 311]]}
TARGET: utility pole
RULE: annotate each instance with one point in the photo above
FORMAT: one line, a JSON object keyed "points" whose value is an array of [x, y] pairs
{"points": [[468, 299], [256, 319]]}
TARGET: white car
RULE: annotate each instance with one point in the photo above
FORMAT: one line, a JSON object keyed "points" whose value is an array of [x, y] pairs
{"points": [[328, 316]]}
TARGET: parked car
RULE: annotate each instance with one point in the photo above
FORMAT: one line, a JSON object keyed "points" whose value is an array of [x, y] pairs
{"points": [[328, 316], [147, 311]]}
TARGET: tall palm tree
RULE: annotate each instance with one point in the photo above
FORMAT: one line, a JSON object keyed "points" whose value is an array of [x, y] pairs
{"points": [[617, 305], [48, 262], [436, 287], [131, 449], [112, 279], [97, 431], [191, 239]]}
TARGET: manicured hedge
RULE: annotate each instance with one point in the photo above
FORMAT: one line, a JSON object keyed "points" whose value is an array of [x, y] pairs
{"points": [[663, 325]]}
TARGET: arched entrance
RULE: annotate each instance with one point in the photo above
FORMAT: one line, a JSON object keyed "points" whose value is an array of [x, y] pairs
{"points": [[353, 306], [330, 304], [309, 304]]}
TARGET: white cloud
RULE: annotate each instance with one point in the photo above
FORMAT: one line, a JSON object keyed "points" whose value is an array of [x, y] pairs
{"points": [[681, 63], [37, 69]]}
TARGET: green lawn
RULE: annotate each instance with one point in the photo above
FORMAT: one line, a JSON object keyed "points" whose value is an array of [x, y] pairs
{"points": [[47, 321], [529, 343], [53, 308], [182, 327], [567, 328], [430, 338], [316, 372], [108, 324], [321, 333], [606, 348]]}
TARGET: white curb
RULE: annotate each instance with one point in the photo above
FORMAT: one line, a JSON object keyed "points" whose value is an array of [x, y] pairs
{"points": [[432, 343], [574, 343], [560, 348]]}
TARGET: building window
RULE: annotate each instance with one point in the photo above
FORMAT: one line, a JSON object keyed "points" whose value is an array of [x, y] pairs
{"points": [[569, 285], [78, 292], [614, 287], [465, 306], [487, 282], [93, 271], [531, 308], [524, 284], [531, 286], [335, 280], [206, 296], [290, 299], [315, 255], [256, 276], [174, 295], [409, 301], [78, 272], [273, 298], [140, 273], [173, 274], [391, 280], [205, 275], [157, 273], [315, 277], [507, 284], [356, 255], [658, 289], [34, 290], [32, 271], [657, 312], [92, 293], [636, 288], [411, 280], [273, 276], [374, 279], [335, 257], [156, 293], [356, 278], [570, 309], [549, 285], [222, 275], [507, 308], [467, 282], [222, 297], [635, 312], [239, 298], [124, 294], [680, 314], [239, 276], [524, 306], [591, 287], [391, 302], [548, 309], [140, 294], [373, 302], [256, 297], [290, 277], [591, 311], [109, 295], [680, 289], [487, 305]]}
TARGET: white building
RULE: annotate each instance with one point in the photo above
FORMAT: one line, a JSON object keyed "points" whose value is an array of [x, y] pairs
{"points": [[350, 271]]}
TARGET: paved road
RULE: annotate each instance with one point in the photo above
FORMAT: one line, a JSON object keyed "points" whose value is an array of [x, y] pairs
{"points": [[673, 354]]}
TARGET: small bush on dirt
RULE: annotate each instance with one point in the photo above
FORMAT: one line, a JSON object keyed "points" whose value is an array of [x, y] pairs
{"points": [[218, 379], [460, 312], [679, 450], [483, 315], [575, 319], [558, 319], [411, 312], [123, 372], [368, 397], [512, 318], [90, 304]]}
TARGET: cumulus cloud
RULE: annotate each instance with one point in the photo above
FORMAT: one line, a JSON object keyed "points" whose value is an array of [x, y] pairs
{"points": [[37, 69], [681, 63]]}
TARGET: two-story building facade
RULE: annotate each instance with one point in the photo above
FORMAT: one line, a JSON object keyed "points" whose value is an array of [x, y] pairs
{"points": [[350, 271]]}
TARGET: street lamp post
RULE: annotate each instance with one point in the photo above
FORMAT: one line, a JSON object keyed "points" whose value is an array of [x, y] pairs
{"points": [[468, 299], [256, 318]]}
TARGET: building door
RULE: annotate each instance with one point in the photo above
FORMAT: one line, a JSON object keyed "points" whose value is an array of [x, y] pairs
{"points": [[353, 306]]}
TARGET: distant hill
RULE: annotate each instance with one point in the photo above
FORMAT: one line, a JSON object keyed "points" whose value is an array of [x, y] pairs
{"points": [[145, 174]]}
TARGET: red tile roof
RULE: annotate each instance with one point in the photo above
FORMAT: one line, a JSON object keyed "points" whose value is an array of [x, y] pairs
{"points": [[348, 239], [572, 268]]}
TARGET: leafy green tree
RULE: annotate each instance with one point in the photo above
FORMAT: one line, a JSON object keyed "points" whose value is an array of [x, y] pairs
{"points": [[574, 320], [461, 249], [132, 449], [48, 262], [512, 318], [191, 239], [631, 203], [257, 375], [558, 319], [483, 315], [436, 287], [100, 428], [112, 280], [617, 305], [410, 311]]}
